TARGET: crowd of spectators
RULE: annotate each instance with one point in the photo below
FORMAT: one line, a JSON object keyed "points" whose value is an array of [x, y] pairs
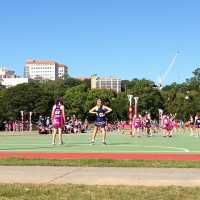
{"points": [[72, 125]]}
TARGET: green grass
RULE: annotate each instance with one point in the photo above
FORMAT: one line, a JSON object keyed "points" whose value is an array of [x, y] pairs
{"points": [[84, 192], [100, 163]]}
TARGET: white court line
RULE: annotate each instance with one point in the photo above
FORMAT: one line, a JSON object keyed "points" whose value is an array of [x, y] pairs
{"points": [[185, 150], [95, 151], [72, 145]]}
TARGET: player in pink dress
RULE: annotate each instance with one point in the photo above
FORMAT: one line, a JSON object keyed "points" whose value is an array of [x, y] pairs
{"points": [[171, 124], [123, 123], [137, 124], [165, 125], [58, 119]]}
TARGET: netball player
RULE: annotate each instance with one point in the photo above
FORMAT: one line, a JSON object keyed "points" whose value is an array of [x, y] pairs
{"points": [[100, 111]]}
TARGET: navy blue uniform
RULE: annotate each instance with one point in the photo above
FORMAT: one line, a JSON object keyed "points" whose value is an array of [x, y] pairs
{"points": [[191, 121], [100, 118], [198, 122], [147, 122]]}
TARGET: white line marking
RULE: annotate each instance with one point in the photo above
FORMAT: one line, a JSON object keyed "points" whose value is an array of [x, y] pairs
{"points": [[73, 145], [96, 151], [186, 150]]}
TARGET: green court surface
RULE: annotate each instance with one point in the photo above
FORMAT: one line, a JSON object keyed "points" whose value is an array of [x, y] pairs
{"points": [[180, 143]]}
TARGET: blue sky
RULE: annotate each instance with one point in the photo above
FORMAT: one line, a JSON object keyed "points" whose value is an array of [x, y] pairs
{"points": [[120, 38]]}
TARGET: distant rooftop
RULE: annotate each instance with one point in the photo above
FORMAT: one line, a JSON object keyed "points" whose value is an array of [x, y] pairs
{"points": [[81, 78], [40, 62]]}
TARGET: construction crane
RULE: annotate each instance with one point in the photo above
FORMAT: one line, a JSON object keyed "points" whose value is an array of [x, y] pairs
{"points": [[161, 79]]}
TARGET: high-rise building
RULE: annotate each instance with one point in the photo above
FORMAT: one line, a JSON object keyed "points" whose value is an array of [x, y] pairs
{"points": [[49, 69], [105, 83]]}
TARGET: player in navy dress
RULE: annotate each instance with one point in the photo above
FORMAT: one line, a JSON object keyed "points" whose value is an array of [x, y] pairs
{"points": [[197, 124], [191, 124], [100, 110]]}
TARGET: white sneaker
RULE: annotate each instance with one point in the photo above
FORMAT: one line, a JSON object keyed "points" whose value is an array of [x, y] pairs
{"points": [[53, 143], [61, 143]]}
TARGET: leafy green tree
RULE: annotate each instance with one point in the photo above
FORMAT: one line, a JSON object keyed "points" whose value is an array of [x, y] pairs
{"points": [[183, 98], [125, 85], [39, 96], [80, 99], [194, 82], [196, 73], [74, 100], [87, 82], [71, 82], [27, 97], [55, 88], [120, 106], [150, 98]]}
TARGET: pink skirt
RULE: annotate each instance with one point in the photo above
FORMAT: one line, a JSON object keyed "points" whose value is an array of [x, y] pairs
{"points": [[57, 122]]}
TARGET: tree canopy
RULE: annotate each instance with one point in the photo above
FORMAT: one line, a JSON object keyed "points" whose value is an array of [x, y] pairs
{"points": [[38, 97]]}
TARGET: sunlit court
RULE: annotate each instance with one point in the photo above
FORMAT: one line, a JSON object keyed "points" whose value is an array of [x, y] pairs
{"points": [[118, 143]]}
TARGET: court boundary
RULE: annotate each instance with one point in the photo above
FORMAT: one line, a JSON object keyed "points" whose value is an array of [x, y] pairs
{"points": [[94, 155]]}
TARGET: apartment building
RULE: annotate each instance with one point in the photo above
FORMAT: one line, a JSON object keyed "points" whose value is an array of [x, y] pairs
{"points": [[48, 69], [9, 79], [10, 82], [6, 73], [62, 71], [105, 83]]}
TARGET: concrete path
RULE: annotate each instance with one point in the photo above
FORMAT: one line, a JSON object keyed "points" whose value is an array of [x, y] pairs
{"points": [[100, 176]]}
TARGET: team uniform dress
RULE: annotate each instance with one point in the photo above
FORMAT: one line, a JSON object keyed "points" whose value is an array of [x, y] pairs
{"points": [[137, 122], [171, 124], [147, 122], [57, 118], [100, 117], [191, 122], [197, 124], [165, 122], [122, 124]]}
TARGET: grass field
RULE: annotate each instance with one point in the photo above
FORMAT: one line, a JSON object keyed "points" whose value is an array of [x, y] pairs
{"points": [[181, 143], [84, 192]]}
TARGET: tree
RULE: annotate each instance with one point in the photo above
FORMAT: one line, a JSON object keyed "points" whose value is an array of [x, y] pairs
{"points": [[196, 72], [25, 97], [80, 99], [119, 106], [55, 88], [71, 82], [39, 96], [150, 98], [194, 82], [74, 100]]}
